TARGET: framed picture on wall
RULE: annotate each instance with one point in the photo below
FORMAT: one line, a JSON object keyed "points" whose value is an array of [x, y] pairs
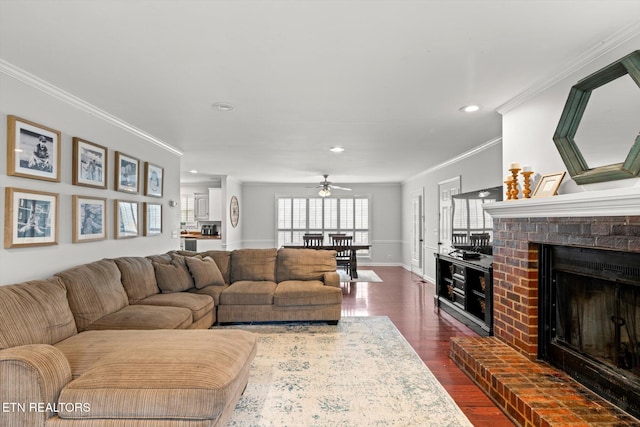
{"points": [[127, 171], [30, 218], [152, 219], [126, 219], [89, 164], [33, 150], [153, 180], [89, 215]]}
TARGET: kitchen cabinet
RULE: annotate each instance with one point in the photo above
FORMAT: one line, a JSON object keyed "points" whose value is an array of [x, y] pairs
{"points": [[201, 209]]}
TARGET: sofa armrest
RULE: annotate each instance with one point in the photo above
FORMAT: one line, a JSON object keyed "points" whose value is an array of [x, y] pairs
{"points": [[332, 278], [32, 378]]}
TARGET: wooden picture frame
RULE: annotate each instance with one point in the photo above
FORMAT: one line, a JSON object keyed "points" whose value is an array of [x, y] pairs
{"points": [[30, 218], [127, 173], [33, 150], [90, 164], [152, 219], [89, 219], [548, 185], [153, 180], [126, 219]]}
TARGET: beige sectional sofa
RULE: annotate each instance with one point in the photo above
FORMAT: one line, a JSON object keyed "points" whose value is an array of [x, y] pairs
{"points": [[125, 342]]}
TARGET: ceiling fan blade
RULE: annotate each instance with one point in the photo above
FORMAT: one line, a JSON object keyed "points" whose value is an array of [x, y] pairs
{"points": [[340, 188]]}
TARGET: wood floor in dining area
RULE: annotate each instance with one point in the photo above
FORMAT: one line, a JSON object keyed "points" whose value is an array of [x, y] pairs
{"points": [[408, 302]]}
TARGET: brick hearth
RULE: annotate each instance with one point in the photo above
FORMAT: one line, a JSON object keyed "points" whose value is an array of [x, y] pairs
{"points": [[515, 305]]}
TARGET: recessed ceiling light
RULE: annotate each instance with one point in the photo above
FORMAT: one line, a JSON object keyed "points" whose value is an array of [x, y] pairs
{"points": [[221, 106], [469, 108], [336, 149], [193, 171]]}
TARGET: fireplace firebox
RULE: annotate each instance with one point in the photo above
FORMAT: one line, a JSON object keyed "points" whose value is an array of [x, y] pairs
{"points": [[589, 319]]}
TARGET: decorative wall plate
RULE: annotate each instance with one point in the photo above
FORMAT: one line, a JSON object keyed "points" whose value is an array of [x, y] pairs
{"points": [[234, 211]]}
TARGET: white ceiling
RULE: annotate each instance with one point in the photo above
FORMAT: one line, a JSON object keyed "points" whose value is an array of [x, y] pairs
{"points": [[383, 79]]}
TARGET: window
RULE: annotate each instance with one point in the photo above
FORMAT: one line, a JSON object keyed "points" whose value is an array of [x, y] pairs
{"points": [[187, 209], [470, 217], [299, 215]]}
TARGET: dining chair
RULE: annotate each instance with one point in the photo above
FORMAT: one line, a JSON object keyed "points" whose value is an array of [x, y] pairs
{"points": [[332, 235], [312, 240], [479, 239], [459, 238], [344, 252]]}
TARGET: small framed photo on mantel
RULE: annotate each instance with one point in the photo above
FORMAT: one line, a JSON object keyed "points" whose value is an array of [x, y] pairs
{"points": [[89, 164], [548, 185], [127, 172], [33, 150]]}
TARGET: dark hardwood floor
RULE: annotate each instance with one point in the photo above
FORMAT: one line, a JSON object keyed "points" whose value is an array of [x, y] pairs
{"points": [[408, 302]]}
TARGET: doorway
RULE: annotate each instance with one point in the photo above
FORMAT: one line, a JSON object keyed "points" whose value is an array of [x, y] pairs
{"points": [[417, 232]]}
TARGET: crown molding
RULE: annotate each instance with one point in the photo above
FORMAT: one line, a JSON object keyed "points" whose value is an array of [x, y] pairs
{"points": [[456, 159], [575, 64], [46, 87]]}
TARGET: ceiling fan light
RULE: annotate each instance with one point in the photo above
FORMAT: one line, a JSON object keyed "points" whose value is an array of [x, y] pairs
{"points": [[324, 192]]}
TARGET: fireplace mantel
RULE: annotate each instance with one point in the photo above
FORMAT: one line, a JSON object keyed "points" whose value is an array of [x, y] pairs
{"points": [[614, 202]]}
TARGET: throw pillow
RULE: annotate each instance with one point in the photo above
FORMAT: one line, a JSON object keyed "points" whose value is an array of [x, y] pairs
{"points": [[205, 271], [174, 277]]}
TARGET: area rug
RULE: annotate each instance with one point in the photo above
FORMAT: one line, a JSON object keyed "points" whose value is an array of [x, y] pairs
{"points": [[363, 276], [361, 372]]}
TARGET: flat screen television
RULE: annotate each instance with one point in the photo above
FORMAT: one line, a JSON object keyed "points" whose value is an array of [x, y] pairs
{"points": [[471, 226]]}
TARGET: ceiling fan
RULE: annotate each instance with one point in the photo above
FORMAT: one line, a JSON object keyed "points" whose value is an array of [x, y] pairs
{"points": [[326, 186]]}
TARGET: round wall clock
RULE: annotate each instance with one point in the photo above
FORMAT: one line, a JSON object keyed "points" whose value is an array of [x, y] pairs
{"points": [[234, 210]]}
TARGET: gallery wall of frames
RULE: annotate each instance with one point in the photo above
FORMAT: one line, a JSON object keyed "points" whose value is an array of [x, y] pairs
{"points": [[32, 217]]}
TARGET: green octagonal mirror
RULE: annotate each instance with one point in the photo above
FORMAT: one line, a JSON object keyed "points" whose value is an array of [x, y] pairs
{"points": [[574, 112]]}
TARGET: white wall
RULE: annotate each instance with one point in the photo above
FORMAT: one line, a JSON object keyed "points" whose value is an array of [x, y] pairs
{"points": [[528, 129], [480, 170], [386, 212], [19, 264]]}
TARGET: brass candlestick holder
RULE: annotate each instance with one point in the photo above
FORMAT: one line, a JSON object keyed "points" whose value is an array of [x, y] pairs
{"points": [[508, 182], [514, 183], [527, 184]]}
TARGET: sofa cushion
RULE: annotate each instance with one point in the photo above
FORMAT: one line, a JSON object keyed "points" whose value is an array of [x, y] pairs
{"points": [[199, 305], [247, 292], [223, 261], [305, 293], [145, 317], [173, 277], [138, 277], [93, 290], [35, 312], [163, 375], [304, 264], [213, 291], [253, 264], [204, 271], [162, 258]]}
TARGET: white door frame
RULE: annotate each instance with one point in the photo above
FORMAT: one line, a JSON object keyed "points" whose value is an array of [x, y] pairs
{"points": [[446, 189], [417, 232]]}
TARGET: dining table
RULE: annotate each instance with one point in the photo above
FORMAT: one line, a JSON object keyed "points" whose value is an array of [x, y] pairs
{"points": [[354, 248]]}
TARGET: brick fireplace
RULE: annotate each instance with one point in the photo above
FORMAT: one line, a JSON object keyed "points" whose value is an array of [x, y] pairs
{"points": [[516, 265], [607, 220]]}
